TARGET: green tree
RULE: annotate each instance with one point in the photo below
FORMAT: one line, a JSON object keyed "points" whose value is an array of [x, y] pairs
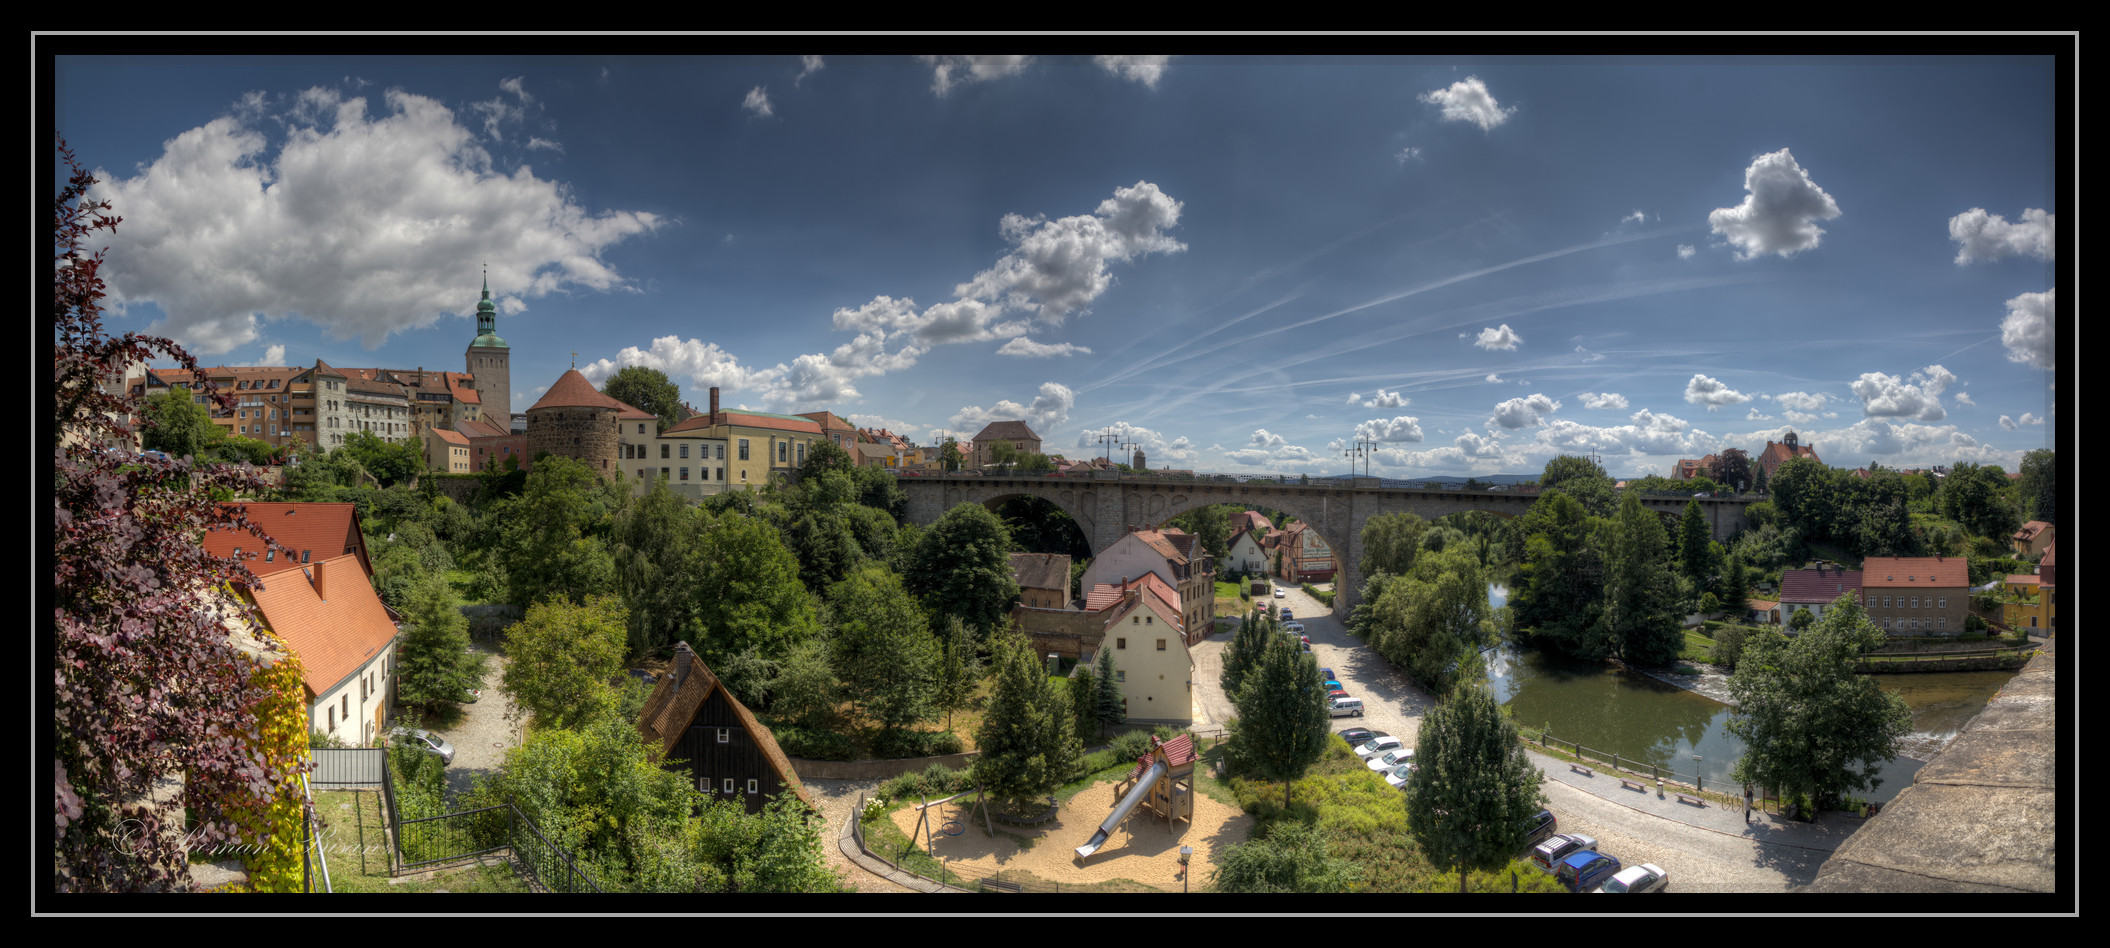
{"points": [[1473, 791], [178, 426], [656, 565], [1291, 857], [1693, 537], [432, 659], [561, 657], [553, 545], [1211, 525], [1112, 709], [1801, 620], [1084, 704], [1283, 727], [959, 668], [1431, 624], [1732, 469], [1391, 541], [2039, 488], [1734, 587], [805, 689], [390, 462], [1582, 479], [950, 455], [747, 592], [1559, 584], [1026, 742], [1002, 455], [648, 390], [883, 649], [1976, 496], [1811, 727], [1247, 645], [1808, 497], [962, 567], [1641, 602], [237, 448]]}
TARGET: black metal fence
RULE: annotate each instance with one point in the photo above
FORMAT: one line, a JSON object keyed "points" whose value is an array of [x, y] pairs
{"points": [[1611, 760]]}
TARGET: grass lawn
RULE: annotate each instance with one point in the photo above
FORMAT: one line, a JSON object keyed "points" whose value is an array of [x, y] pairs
{"points": [[357, 850]]}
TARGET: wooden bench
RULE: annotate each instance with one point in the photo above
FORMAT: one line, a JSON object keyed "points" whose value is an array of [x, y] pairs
{"points": [[1585, 771], [1688, 798], [997, 885], [1632, 784]]}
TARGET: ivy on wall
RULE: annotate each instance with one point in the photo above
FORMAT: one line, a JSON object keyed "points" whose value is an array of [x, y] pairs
{"points": [[271, 823]]}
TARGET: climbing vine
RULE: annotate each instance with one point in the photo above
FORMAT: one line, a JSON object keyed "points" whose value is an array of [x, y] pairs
{"points": [[271, 826]]}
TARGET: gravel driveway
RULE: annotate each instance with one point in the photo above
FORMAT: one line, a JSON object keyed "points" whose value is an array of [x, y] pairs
{"points": [[1391, 703], [483, 735]]}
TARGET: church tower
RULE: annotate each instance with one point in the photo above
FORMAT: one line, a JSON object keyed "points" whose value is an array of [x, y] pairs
{"points": [[488, 360]]}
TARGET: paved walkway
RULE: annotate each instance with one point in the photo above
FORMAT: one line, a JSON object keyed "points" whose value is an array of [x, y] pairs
{"points": [[1823, 834], [848, 844]]}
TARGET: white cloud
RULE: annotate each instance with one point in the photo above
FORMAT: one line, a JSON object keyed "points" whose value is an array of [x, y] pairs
{"points": [[223, 232], [2014, 423], [1649, 433], [274, 355], [1887, 396], [1756, 415], [1154, 442], [1712, 393], [1402, 428], [543, 144], [1144, 69], [1608, 400], [2027, 331], [971, 69], [1467, 101], [1523, 412], [808, 66], [757, 101], [1685, 251], [1803, 401], [1406, 154], [1494, 377], [1588, 356], [1047, 412], [702, 363], [1637, 217], [1023, 346], [1904, 445], [1964, 398], [497, 112], [875, 421], [1383, 399], [1985, 237], [1059, 267], [1503, 338], [1779, 212]]}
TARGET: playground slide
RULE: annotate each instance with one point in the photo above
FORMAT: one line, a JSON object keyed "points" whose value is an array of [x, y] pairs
{"points": [[1135, 796]]}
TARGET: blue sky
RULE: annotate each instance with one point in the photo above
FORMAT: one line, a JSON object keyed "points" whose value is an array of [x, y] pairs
{"points": [[1242, 263]]}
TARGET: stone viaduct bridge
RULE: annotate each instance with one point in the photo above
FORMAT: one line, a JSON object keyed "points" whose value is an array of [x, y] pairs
{"points": [[1106, 504]]}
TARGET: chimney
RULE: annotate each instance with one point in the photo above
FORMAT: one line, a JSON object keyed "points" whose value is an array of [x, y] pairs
{"points": [[322, 589], [682, 657], [714, 404]]}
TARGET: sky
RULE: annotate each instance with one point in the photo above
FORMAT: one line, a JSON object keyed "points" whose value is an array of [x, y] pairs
{"points": [[1459, 265]]}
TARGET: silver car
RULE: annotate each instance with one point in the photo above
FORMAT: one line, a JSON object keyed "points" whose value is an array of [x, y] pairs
{"points": [[426, 741]]}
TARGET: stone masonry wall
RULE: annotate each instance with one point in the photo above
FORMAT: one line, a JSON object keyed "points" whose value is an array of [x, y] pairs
{"points": [[588, 435]]}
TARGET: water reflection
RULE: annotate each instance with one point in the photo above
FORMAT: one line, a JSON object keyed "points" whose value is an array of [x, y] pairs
{"points": [[1659, 724]]}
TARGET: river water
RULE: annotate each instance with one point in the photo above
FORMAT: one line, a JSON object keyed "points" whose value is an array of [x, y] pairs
{"points": [[1655, 723]]}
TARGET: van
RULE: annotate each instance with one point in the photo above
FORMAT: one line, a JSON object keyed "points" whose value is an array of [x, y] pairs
{"points": [[1343, 707], [1586, 870]]}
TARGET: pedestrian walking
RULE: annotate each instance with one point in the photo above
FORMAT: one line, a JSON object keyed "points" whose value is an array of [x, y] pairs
{"points": [[1747, 804]]}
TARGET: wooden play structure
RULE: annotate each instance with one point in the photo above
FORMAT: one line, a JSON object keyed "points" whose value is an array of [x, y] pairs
{"points": [[1162, 782]]}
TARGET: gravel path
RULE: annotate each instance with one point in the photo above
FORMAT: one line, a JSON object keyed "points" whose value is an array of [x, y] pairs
{"points": [[837, 800], [483, 735]]}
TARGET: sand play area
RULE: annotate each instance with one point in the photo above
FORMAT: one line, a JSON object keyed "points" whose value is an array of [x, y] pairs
{"points": [[1141, 850]]}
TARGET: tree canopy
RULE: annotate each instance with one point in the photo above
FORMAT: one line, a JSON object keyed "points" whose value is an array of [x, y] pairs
{"points": [[1431, 623], [1283, 726], [1391, 541], [1027, 743], [647, 389], [1292, 857], [962, 567], [179, 427], [1641, 601], [747, 593], [1473, 791], [1811, 727], [884, 651], [561, 656], [2039, 488], [1581, 478]]}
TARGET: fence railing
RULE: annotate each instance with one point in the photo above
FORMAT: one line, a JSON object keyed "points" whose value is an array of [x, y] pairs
{"points": [[1611, 760], [339, 767]]}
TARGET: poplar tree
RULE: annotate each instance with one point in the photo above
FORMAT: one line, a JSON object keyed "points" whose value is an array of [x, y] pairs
{"points": [[1473, 791], [1640, 593], [959, 668], [1111, 711]]}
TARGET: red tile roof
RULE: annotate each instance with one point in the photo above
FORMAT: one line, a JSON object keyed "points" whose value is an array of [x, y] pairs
{"points": [[2025, 579], [321, 530], [451, 436], [747, 420], [2030, 530], [573, 391], [333, 636], [1915, 571], [1818, 585]]}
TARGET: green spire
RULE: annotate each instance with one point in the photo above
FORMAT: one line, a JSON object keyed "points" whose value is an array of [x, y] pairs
{"points": [[487, 319]]}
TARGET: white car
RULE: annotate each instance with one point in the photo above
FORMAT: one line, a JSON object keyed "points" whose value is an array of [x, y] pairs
{"points": [[1647, 877], [1378, 745], [1293, 628], [1279, 593], [1398, 776], [1390, 759]]}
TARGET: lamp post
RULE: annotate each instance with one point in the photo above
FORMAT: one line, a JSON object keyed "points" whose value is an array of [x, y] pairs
{"points": [[1362, 449], [1186, 853], [1107, 438]]}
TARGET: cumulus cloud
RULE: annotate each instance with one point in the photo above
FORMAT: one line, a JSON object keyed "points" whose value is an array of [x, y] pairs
{"points": [[1503, 338], [1685, 251], [2027, 331], [1468, 101], [1608, 400], [1047, 411], [703, 364], [1493, 377], [2014, 423], [274, 355], [1916, 397], [1402, 428], [1907, 445], [1523, 412], [947, 71], [1059, 267], [757, 101], [1985, 237], [543, 144], [1383, 399], [366, 225], [1025, 347], [1636, 217], [1144, 69], [1406, 154], [1802, 401], [876, 421], [1756, 415], [1780, 209], [808, 65], [1647, 433], [1712, 393], [1155, 444], [1964, 398]]}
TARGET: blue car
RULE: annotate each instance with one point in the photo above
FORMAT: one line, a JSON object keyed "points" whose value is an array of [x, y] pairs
{"points": [[1586, 870]]}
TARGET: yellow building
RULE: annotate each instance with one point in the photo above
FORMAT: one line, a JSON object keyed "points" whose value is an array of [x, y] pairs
{"points": [[757, 443], [2028, 607]]}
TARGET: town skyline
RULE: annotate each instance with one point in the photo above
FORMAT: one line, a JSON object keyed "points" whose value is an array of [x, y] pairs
{"points": [[1242, 264]]}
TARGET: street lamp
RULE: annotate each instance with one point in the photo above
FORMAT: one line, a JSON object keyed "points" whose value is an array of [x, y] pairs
{"points": [[1186, 853], [1362, 449]]}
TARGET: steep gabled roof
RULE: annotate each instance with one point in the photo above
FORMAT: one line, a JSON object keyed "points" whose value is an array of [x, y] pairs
{"points": [[324, 531], [333, 636], [571, 390], [1818, 585], [670, 708], [2031, 529], [1006, 431], [1041, 570], [1153, 595]]}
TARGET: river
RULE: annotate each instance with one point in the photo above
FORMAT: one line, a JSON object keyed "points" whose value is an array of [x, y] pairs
{"points": [[1610, 709]]}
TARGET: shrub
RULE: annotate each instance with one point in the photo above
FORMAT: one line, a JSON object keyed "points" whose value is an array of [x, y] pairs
{"points": [[898, 743], [812, 744], [1130, 745]]}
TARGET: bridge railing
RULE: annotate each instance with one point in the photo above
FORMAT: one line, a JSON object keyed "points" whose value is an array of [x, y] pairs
{"points": [[1276, 480]]}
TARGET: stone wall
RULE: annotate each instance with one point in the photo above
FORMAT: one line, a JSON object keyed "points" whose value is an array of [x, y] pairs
{"points": [[587, 435]]}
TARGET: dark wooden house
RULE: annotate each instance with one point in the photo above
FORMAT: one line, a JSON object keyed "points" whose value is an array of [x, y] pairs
{"points": [[707, 733]]}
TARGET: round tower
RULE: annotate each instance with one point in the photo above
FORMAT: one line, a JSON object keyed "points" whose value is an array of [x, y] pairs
{"points": [[488, 360], [574, 420]]}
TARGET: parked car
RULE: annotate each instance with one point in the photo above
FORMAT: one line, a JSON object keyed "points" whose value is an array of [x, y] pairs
{"points": [[1379, 745], [1336, 693], [1279, 593], [1647, 877], [1345, 707], [1397, 776], [1328, 673], [1287, 615], [1549, 854], [1358, 736], [1543, 825], [1586, 870], [425, 740], [1390, 759], [1332, 685], [1293, 627]]}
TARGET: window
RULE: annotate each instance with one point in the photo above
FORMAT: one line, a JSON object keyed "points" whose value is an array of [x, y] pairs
{"points": [[684, 452], [703, 785], [743, 456], [1942, 623], [1886, 602], [802, 453], [1944, 603], [347, 707], [721, 474], [640, 427], [783, 452], [1121, 675], [269, 553], [721, 452], [666, 451], [728, 784], [304, 556], [684, 473], [331, 716], [666, 472], [1120, 643], [1161, 645], [1915, 602], [753, 786], [725, 735]]}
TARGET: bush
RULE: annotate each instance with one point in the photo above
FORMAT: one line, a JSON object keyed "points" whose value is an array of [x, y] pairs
{"points": [[1728, 644], [1130, 745], [898, 743], [1315, 593], [812, 744], [934, 781]]}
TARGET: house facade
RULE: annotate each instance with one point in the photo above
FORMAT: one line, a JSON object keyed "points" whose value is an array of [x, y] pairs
{"points": [[1244, 553], [1021, 438], [1175, 557], [1777, 453], [1305, 556], [1043, 579], [2034, 537], [757, 444], [1151, 663], [1916, 595], [701, 730]]}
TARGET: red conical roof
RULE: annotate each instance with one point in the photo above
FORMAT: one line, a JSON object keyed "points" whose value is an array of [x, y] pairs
{"points": [[573, 391]]}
